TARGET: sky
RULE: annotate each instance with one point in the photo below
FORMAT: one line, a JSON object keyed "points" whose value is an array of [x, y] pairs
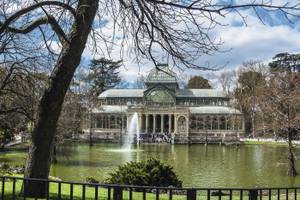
{"points": [[242, 42]]}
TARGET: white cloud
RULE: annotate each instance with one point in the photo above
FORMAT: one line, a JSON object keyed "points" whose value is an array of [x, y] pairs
{"points": [[254, 41]]}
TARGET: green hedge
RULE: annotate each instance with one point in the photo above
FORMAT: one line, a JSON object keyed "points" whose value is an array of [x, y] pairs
{"points": [[151, 172]]}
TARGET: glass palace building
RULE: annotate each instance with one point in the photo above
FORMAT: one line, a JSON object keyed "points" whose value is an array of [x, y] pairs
{"points": [[167, 113]]}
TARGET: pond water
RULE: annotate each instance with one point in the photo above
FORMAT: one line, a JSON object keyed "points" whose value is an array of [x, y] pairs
{"points": [[196, 165]]}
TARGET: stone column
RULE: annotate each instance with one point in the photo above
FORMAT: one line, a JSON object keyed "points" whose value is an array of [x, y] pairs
{"points": [[170, 123], [154, 122], [127, 122], [175, 124], [147, 120], [140, 121], [233, 124], [161, 123], [108, 125], [121, 124], [187, 125]]}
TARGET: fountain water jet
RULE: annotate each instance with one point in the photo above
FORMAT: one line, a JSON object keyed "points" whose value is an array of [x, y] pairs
{"points": [[133, 133]]}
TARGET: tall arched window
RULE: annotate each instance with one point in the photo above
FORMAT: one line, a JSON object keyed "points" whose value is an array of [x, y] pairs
{"points": [[181, 124], [222, 123], [207, 123], [104, 121], [118, 122], [193, 123], [215, 124], [112, 121], [228, 122], [200, 123]]}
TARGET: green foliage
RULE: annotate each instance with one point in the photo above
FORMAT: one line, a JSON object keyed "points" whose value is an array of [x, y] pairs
{"points": [[91, 180], [286, 61], [248, 91], [6, 133], [151, 172], [6, 169], [249, 80], [198, 82], [104, 75]]}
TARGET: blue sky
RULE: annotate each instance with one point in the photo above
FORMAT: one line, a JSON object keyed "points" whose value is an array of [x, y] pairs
{"points": [[254, 41]]}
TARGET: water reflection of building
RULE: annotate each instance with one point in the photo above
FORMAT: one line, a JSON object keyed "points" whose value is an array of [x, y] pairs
{"points": [[166, 111]]}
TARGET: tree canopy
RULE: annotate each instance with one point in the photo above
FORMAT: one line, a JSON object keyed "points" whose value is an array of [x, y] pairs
{"points": [[103, 75], [286, 62], [249, 79], [198, 82]]}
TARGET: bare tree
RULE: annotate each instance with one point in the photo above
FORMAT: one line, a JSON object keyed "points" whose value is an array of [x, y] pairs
{"points": [[227, 79], [57, 32], [250, 77], [280, 103], [20, 89]]}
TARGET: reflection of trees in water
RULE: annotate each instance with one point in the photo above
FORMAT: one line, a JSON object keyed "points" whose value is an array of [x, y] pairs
{"points": [[65, 151], [85, 163], [213, 165]]}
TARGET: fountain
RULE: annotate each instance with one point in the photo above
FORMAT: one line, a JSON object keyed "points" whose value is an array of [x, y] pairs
{"points": [[133, 133]]}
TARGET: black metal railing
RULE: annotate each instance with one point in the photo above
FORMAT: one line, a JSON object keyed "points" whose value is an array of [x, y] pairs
{"points": [[13, 188]]}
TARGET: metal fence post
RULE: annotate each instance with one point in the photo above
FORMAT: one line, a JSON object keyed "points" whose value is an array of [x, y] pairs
{"points": [[191, 194], [118, 193], [253, 193]]}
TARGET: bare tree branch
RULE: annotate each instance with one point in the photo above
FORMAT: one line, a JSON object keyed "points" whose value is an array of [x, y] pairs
{"points": [[28, 9]]}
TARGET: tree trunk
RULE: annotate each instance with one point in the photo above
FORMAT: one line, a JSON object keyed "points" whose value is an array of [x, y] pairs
{"points": [[39, 157], [90, 130], [54, 156], [253, 124], [291, 157]]}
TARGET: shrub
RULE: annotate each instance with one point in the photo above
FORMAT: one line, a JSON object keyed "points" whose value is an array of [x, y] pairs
{"points": [[151, 172], [91, 180]]}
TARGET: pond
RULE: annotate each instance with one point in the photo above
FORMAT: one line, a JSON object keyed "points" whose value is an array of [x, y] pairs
{"points": [[196, 165]]}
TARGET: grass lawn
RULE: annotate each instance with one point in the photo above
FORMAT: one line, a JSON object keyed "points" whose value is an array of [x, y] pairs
{"points": [[103, 193]]}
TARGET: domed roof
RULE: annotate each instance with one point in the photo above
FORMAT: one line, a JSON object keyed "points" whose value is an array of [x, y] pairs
{"points": [[161, 74]]}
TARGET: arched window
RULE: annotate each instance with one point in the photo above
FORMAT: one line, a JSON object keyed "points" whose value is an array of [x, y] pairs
{"points": [[200, 124], [181, 124], [239, 123], [98, 122], [193, 123], [159, 97], [207, 123], [112, 121], [215, 124], [124, 122], [104, 121], [222, 123], [229, 123], [118, 122]]}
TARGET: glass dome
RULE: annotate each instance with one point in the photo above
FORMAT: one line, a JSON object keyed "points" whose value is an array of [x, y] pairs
{"points": [[161, 74]]}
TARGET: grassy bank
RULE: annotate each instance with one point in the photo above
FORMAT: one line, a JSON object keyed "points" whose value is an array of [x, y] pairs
{"points": [[264, 143], [103, 193], [18, 147]]}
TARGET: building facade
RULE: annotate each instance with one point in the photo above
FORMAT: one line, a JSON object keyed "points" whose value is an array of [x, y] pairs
{"points": [[167, 113]]}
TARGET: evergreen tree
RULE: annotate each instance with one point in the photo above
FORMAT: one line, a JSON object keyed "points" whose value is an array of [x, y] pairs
{"points": [[104, 75], [286, 62], [198, 82]]}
